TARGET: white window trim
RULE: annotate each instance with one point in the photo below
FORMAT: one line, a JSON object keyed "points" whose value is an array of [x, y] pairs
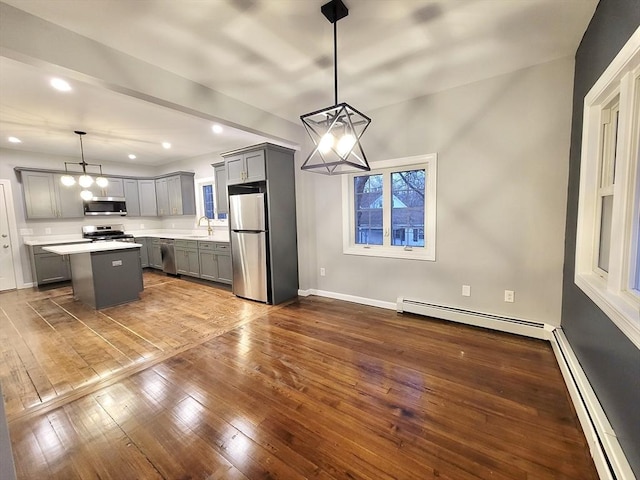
{"points": [[609, 293], [200, 182], [428, 253]]}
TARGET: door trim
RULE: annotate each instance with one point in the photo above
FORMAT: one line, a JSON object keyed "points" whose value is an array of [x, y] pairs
{"points": [[13, 234]]}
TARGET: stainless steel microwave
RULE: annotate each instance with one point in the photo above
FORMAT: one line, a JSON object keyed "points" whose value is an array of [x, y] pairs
{"points": [[105, 206]]}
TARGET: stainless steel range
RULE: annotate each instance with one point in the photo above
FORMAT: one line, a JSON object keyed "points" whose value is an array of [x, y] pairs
{"points": [[105, 233]]}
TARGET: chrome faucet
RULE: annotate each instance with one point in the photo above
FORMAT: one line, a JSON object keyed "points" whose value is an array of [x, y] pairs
{"points": [[209, 229]]}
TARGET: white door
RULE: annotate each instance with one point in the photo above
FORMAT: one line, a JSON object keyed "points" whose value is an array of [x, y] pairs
{"points": [[7, 270]]}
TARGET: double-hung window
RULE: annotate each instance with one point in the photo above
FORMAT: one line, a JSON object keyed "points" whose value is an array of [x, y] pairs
{"points": [[206, 200], [391, 210], [608, 230]]}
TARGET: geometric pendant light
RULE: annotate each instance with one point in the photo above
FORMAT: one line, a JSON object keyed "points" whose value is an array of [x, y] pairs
{"points": [[85, 180], [336, 130]]}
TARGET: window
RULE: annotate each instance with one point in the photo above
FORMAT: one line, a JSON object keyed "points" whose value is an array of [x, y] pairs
{"points": [[391, 210], [206, 200], [608, 233]]}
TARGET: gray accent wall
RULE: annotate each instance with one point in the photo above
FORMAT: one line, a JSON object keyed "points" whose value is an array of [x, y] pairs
{"points": [[610, 360]]}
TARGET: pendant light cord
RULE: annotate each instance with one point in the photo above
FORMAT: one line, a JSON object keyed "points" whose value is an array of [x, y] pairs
{"points": [[335, 60], [84, 164]]}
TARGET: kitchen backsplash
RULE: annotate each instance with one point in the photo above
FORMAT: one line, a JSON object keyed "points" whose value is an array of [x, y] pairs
{"points": [[42, 228]]}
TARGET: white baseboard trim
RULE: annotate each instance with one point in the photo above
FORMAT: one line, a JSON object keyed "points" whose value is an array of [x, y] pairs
{"points": [[606, 451], [26, 285], [348, 298]]}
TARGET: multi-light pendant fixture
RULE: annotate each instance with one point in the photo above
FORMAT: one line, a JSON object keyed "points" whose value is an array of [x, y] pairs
{"points": [[336, 130], [85, 180]]}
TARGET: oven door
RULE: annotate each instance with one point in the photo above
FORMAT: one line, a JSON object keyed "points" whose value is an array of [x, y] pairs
{"points": [[105, 206]]}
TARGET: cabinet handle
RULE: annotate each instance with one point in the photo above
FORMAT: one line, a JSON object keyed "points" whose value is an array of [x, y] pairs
{"points": [[4, 235], [5, 246]]}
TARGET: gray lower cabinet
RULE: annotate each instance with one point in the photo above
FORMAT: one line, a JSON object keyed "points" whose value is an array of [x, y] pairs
{"points": [[187, 257], [215, 261], [144, 251], [108, 278], [47, 267], [155, 256]]}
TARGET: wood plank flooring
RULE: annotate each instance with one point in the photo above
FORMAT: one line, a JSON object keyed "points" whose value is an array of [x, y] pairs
{"points": [[191, 382]]}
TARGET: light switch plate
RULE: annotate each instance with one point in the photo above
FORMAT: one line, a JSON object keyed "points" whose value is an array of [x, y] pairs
{"points": [[466, 290]]}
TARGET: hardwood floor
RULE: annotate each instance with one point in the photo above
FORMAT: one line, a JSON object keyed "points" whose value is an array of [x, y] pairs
{"points": [[191, 382]]}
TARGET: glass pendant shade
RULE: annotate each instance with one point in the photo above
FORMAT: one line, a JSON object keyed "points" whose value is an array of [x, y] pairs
{"points": [[336, 132], [86, 195], [67, 180], [85, 180]]}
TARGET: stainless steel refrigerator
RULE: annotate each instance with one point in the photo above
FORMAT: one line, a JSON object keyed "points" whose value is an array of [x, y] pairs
{"points": [[247, 222]]}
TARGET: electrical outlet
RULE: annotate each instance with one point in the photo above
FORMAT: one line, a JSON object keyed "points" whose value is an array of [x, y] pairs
{"points": [[322, 272], [509, 296], [173, 225], [47, 231], [466, 290], [142, 226]]}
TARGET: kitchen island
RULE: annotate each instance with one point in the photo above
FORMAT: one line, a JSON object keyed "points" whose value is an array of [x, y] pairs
{"points": [[103, 274]]}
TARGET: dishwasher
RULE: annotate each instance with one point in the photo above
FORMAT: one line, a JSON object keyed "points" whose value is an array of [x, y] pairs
{"points": [[168, 255]]}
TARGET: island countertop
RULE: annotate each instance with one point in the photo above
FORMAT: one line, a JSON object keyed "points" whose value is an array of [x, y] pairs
{"points": [[90, 247]]}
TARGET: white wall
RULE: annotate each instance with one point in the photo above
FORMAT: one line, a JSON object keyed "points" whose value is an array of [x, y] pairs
{"points": [[503, 153]]}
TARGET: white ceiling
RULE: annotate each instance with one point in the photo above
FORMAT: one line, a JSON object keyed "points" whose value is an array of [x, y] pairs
{"points": [[276, 55]]}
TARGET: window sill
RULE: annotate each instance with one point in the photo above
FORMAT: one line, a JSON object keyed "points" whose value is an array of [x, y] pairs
{"points": [[399, 252], [622, 311]]}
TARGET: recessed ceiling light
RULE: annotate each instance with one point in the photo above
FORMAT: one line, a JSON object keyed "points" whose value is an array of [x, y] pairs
{"points": [[132, 156], [216, 128], [166, 145], [60, 84], [14, 140]]}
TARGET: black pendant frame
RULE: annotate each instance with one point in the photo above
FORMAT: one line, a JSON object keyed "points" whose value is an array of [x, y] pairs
{"points": [[346, 155]]}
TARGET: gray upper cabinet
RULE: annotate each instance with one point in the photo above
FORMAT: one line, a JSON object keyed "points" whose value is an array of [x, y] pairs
{"points": [[176, 195], [220, 178], [69, 200], [46, 197], [115, 188], [132, 197], [245, 167], [147, 198], [162, 196]]}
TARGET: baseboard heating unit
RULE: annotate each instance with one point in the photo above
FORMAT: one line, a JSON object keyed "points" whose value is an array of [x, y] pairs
{"points": [[605, 448], [487, 320]]}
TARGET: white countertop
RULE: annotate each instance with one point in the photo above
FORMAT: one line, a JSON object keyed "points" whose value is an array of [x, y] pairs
{"points": [[54, 240], [217, 236], [91, 247]]}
